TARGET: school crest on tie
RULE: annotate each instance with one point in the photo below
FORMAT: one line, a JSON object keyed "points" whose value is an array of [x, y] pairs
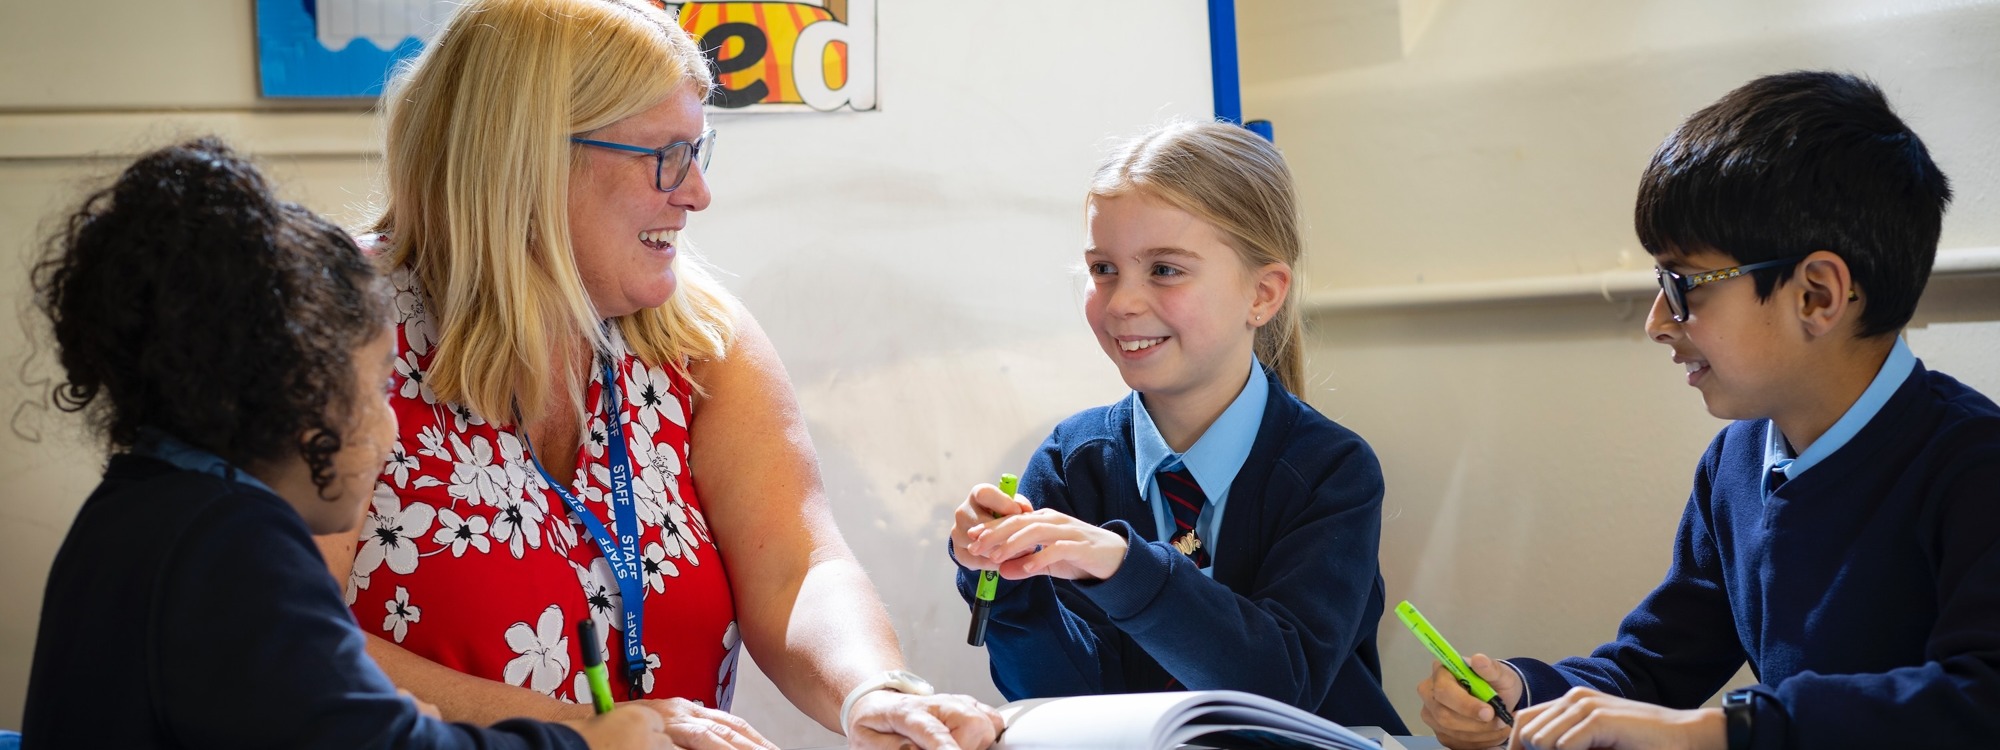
{"points": [[1187, 542]]}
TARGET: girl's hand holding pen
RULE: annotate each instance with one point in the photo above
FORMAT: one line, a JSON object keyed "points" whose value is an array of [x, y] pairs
{"points": [[985, 503], [1026, 542]]}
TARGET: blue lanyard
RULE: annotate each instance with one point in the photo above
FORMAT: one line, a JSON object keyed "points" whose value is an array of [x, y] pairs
{"points": [[622, 551]]}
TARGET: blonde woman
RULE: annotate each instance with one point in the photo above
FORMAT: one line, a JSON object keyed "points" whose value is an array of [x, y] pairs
{"points": [[560, 366]]}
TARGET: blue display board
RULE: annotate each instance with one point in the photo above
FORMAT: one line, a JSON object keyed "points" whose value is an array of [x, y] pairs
{"points": [[338, 48]]}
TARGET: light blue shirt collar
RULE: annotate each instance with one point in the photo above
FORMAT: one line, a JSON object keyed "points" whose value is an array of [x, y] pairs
{"points": [[1214, 459], [180, 453], [1895, 370]]}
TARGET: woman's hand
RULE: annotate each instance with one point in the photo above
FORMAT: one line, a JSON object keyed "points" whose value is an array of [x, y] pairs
{"points": [[984, 503], [890, 720], [1039, 542], [696, 727], [627, 727]]}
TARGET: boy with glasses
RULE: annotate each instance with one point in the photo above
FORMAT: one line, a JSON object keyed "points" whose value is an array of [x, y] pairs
{"points": [[1841, 534]]}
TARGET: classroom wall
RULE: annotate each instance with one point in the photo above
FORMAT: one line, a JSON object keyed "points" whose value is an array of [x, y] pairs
{"points": [[914, 265], [1538, 453]]}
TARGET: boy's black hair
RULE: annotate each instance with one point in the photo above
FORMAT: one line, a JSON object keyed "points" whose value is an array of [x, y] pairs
{"points": [[1797, 162], [186, 297]]}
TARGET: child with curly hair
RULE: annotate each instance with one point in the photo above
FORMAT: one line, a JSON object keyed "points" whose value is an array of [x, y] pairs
{"points": [[232, 349]]}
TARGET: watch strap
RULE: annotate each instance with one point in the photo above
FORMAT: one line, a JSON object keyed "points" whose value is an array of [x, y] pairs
{"points": [[894, 679], [1739, 714]]}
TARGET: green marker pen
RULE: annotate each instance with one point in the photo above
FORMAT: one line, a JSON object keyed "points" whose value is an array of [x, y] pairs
{"points": [[989, 580], [1468, 679], [593, 666]]}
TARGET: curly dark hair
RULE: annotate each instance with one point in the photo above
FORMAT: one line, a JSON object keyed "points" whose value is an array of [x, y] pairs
{"points": [[186, 297]]}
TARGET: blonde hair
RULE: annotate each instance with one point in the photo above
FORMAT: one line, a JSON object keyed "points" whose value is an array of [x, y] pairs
{"points": [[1237, 182], [479, 159]]}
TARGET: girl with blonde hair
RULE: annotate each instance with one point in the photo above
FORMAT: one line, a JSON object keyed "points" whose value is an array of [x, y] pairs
{"points": [[561, 358], [1210, 530]]}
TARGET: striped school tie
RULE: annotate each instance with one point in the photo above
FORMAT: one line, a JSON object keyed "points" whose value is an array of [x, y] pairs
{"points": [[1186, 500]]}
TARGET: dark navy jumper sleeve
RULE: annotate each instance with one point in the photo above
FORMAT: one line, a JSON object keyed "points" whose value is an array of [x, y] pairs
{"points": [[1287, 635], [1291, 610], [1680, 645], [1039, 645], [254, 647], [1865, 593]]}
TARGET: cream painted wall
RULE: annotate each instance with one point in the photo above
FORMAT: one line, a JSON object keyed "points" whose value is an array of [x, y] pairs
{"points": [[1538, 455], [913, 265]]}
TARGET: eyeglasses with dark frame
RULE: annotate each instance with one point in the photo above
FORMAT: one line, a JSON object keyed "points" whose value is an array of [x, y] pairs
{"points": [[1676, 286], [679, 153]]}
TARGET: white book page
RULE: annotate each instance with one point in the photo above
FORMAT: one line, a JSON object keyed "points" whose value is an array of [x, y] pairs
{"points": [[1161, 721], [1130, 721]]}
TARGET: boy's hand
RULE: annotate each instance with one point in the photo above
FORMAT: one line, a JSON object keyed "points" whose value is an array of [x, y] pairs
{"points": [[1461, 721], [625, 728], [1584, 718], [981, 505], [1046, 542]]}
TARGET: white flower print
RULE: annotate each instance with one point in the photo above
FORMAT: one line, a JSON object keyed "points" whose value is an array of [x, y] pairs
{"points": [[517, 522], [653, 393], [431, 440], [411, 312], [390, 533], [401, 614], [514, 463], [561, 532], [596, 438], [543, 653], [600, 591], [658, 470], [657, 567], [413, 379], [725, 676], [462, 417], [646, 680], [400, 465], [474, 478], [460, 532], [356, 582], [675, 537], [699, 523]]}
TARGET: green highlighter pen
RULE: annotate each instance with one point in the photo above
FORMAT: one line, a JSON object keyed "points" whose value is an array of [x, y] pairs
{"points": [[593, 666], [989, 581], [1468, 679]]}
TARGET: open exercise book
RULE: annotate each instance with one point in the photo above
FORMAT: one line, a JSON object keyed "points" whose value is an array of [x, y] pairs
{"points": [[1165, 721]]}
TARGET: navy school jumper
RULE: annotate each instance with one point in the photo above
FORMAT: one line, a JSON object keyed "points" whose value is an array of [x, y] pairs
{"points": [[1292, 608], [189, 610], [1865, 593]]}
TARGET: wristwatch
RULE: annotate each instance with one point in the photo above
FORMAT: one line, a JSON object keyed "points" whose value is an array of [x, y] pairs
{"points": [[894, 679], [1739, 714]]}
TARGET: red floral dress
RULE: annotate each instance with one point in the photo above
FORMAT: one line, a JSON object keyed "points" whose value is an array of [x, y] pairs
{"points": [[468, 558]]}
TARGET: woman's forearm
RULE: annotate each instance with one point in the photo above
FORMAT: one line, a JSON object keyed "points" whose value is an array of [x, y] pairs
{"points": [[463, 697], [836, 634]]}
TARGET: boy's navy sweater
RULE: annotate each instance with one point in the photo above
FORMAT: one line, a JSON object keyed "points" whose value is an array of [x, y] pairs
{"points": [[1865, 593], [1290, 613], [189, 610]]}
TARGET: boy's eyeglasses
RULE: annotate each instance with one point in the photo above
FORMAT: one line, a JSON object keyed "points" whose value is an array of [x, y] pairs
{"points": [[1676, 286], [673, 156]]}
